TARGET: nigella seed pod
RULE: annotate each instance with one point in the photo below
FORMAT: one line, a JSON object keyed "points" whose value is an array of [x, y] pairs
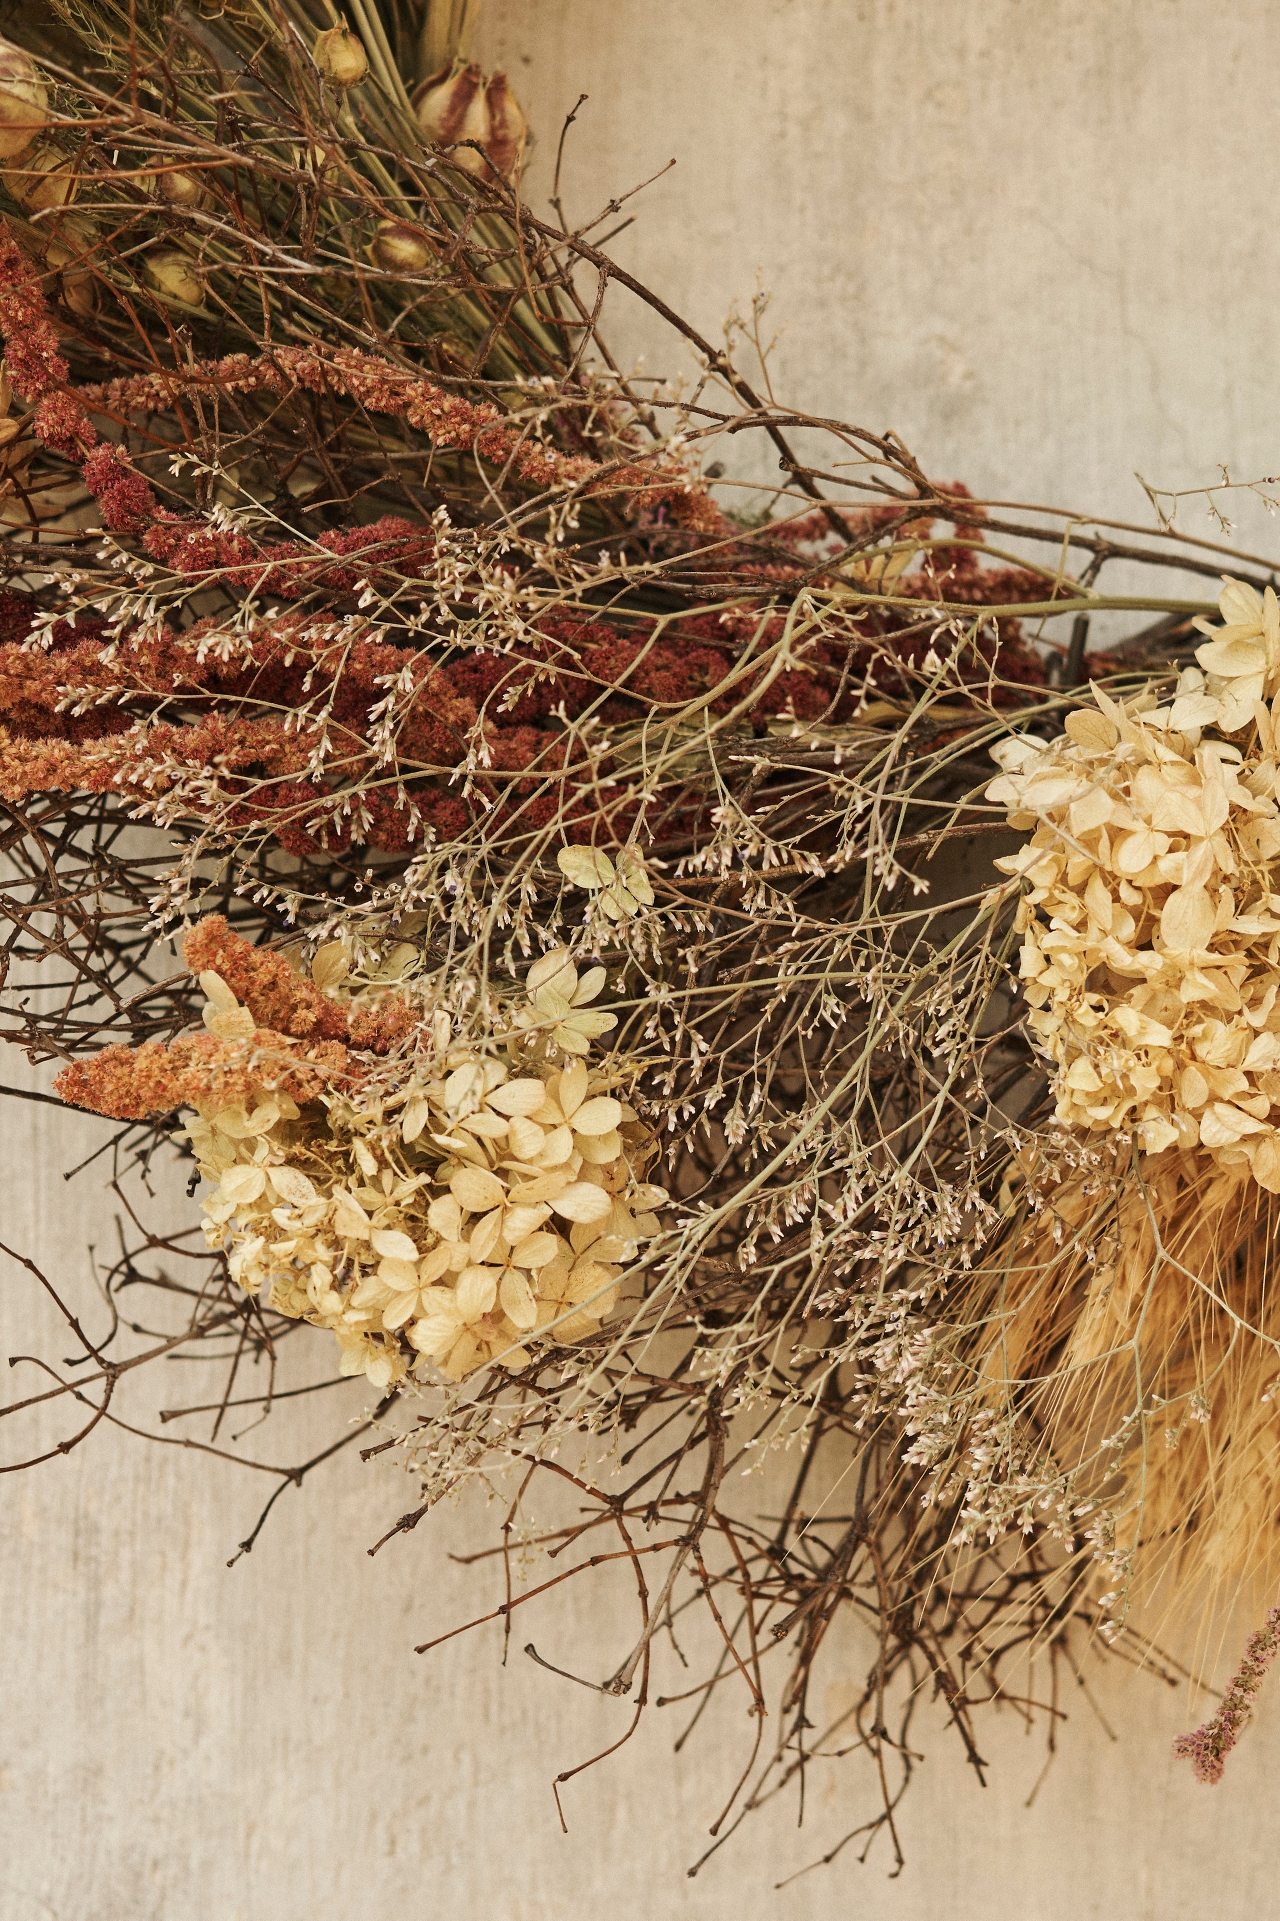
{"points": [[400, 248], [46, 181], [451, 106], [340, 56], [79, 289], [180, 188], [173, 277], [508, 128], [24, 101]]}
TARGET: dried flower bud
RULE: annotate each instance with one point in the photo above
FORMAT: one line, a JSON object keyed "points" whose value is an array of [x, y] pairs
{"points": [[174, 278], [24, 101], [79, 289], [400, 248], [451, 106], [458, 104], [508, 128], [180, 188], [340, 56], [46, 181], [64, 255]]}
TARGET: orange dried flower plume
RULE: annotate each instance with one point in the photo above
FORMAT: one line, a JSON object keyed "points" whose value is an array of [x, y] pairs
{"points": [[200, 1070], [276, 994], [228, 1069]]}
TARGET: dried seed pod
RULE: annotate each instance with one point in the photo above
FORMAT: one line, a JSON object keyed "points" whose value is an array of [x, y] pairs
{"points": [[180, 188], [400, 248], [65, 254], [458, 103], [451, 106], [340, 56], [47, 180], [508, 128], [79, 289], [24, 101], [173, 277]]}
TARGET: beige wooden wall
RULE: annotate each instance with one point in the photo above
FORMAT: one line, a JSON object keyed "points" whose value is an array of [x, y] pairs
{"points": [[1036, 237]]}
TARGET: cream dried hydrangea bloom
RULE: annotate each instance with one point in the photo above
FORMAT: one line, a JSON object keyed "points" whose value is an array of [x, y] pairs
{"points": [[1241, 659], [488, 1196], [622, 891], [1150, 928]]}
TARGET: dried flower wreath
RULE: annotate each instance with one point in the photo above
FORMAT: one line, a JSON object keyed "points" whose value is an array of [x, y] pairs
{"points": [[610, 1025]]}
